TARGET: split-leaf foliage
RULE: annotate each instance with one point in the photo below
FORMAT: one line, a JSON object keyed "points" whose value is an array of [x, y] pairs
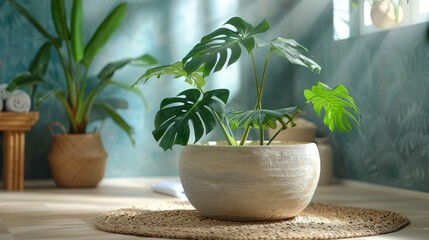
{"points": [[202, 110]]}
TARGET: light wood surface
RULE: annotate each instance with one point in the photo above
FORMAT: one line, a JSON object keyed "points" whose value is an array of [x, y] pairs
{"points": [[14, 125], [45, 212]]}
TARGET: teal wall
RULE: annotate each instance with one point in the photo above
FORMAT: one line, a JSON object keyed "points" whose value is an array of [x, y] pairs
{"points": [[387, 72]]}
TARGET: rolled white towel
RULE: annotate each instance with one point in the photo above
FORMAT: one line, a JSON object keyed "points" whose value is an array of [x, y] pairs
{"points": [[18, 101], [3, 93]]}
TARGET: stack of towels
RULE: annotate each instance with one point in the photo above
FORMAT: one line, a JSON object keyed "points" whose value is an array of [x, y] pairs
{"points": [[16, 101]]}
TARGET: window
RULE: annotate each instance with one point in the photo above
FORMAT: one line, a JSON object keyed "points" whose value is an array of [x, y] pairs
{"points": [[357, 17]]}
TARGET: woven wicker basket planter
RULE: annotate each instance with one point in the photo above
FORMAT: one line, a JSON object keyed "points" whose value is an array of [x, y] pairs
{"points": [[250, 183], [77, 160]]}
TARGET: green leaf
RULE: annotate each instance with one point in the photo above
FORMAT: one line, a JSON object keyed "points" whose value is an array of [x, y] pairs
{"points": [[144, 60], [118, 120], [40, 62], [338, 105], [175, 70], [191, 107], [222, 46], [59, 18], [264, 118], [34, 22], [106, 29], [76, 30], [294, 52], [24, 80], [110, 69]]}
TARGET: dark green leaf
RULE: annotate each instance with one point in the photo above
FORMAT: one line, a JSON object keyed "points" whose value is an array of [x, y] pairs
{"points": [[212, 51], [257, 118], [24, 80], [176, 115], [294, 52], [40, 63], [337, 104], [118, 120], [59, 18], [110, 69], [76, 30], [103, 33]]}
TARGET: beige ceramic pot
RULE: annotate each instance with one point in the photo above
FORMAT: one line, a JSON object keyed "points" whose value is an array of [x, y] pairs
{"points": [[250, 183], [77, 160]]}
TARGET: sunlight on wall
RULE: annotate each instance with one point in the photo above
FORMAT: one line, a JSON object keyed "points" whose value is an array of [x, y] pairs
{"points": [[354, 17]]}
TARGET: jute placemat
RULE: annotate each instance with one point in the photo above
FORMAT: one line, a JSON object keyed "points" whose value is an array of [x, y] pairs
{"points": [[317, 221]]}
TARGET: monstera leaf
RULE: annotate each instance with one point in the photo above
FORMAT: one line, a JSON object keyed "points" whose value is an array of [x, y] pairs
{"points": [[223, 45], [176, 70], [264, 118], [339, 107], [294, 52], [190, 107]]}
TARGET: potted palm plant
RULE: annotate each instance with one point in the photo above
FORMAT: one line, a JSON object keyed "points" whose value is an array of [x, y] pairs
{"points": [[242, 179], [77, 157]]}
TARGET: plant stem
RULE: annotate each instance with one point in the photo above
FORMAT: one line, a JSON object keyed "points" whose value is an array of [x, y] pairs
{"points": [[255, 73], [261, 88], [71, 100], [258, 105], [298, 110], [255, 76], [230, 139]]}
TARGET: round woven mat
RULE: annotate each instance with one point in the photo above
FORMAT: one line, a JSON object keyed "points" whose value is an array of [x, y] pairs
{"points": [[317, 221]]}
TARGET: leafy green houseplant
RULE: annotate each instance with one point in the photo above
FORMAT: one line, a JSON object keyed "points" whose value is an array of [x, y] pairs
{"points": [[78, 93], [77, 157], [206, 109], [257, 181]]}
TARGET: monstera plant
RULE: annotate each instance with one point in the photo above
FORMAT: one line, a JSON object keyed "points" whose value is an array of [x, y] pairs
{"points": [[240, 179], [244, 180], [75, 89], [204, 110]]}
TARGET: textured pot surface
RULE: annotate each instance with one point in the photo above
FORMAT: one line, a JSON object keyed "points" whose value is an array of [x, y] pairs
{"points": [[250, 183], [77, 160]]}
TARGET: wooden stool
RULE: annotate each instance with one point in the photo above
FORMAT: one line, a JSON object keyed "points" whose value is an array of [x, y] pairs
{"points": [[14, 125]]}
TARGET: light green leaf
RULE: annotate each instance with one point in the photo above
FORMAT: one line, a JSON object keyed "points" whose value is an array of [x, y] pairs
{"points": [[118, 120], [175, 70], [294, 52], [103, 33], [222, 46], [76, 30], [191, 107], [338, 105]]}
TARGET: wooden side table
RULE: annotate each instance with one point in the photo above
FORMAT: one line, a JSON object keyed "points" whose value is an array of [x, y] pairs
{"points": [[14, 125]]}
